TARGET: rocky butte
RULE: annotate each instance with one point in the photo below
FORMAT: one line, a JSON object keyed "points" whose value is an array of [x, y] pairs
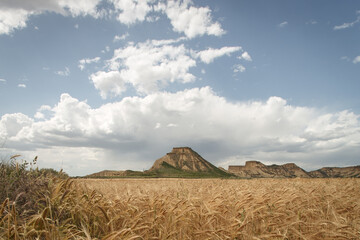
{"points": [[255, 169], [183, 162], [184, 158]]}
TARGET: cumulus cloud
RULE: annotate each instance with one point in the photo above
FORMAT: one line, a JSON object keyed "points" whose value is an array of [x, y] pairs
{"points": [[245, 56], [2, 80], [190, 20], [12, 124], [15, 14], [108, 83], [80, 7], [132, 11], [356, 60], [208, 56], [21, 85], [43, 112], [85, 61], [135, 126], [150, 66], [13, 19], [184, 16]]}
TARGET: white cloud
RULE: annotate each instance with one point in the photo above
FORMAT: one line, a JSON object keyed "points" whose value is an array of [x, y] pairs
{"points": [[43, 112], [152, 18], [167, 41], [347, 25], [12, 124], [239, 68], [45, 108], [21, 85], [15, 14], [245, 56], [190, 20], [63, 73], [39, 115], [132, 11], [122, 37], [86, 61], [2, 80], [149, 67], [356, 60], [107, 49], [184, 16], [109, 83], [283, 24], [13, 19], [80, 7], [130, 129], [208, 56]]}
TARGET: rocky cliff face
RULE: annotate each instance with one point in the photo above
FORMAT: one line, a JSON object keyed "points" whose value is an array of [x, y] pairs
{"points": [[186, 159], [185, 162], [255, 169], [327, 172]]}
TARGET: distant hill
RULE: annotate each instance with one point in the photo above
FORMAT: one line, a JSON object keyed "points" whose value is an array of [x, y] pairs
{"points": [[183, 162], [255, 169], [336, 172], [113, 173], [107, 173]]}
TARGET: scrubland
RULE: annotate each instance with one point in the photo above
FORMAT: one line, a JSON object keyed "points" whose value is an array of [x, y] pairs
{"points": [[187, 209]]}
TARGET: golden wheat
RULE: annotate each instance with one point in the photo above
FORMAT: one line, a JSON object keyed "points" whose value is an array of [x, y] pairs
{"points": [[191, 209], [230, 209]]}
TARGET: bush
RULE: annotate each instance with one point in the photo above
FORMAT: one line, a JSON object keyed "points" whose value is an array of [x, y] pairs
{"points": [[23, 185]]}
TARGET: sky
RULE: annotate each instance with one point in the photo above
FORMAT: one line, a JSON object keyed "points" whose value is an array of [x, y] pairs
{"points": [[88, 85]]}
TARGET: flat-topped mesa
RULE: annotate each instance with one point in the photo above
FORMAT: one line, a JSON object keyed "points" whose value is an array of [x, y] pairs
{"points": [[326, 172], [251, 164], [184, 158], [248, 165], [181, 150], [258, 169]]}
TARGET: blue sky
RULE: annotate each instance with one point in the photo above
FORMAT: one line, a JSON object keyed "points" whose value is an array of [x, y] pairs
{"points": [[115, 84]]}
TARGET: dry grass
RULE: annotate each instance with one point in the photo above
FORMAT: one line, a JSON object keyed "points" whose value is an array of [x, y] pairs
{"points": [[190, 209], [229, 209]]}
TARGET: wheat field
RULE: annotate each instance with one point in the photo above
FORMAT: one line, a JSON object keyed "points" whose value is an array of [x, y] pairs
{"points": [[226, 209], [187, 209]]}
